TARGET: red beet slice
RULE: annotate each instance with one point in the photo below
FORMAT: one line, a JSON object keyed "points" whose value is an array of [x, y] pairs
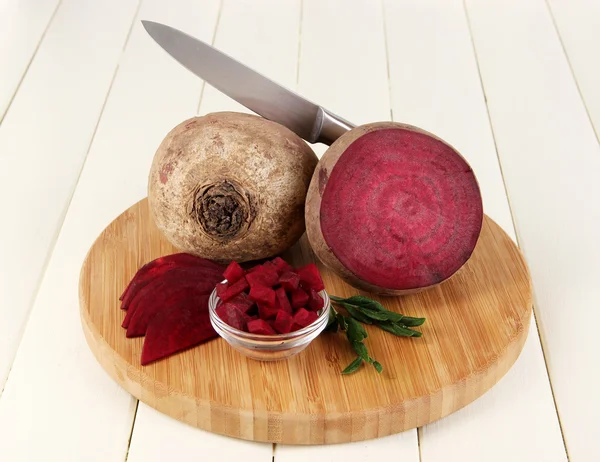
{"points": [[265, 295], [176, 329], [281, 265], [283, 303], [299, 298], [283, 322], [267, 312], [234, 272], [260, 327], [310, 278], [267, 277], [234, 289], [392, 208], [315, 301], [289, 281], [232, 315], [304, 317]]}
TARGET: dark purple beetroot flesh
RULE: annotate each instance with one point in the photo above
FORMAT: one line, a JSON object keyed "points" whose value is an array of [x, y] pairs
{"points": [[283, 322], [310, 278], [260, 327], [283, 302], [234, 272], [289, 281], [299, 298], [304, 317]]}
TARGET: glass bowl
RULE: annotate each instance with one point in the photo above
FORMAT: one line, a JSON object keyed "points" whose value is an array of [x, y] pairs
{"points": [[268, 347]]}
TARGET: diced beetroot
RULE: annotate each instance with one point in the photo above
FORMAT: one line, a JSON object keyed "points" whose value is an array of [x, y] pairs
{"points": [[267, 277], [252, 318], [281, 265], [266, 295], [234, 272], [182, 326], [315, 301], [310, 277], [253, 269], [269, 265], [289, 281], [299, 298], [233, 316], [242, 302], [283, 322], [235, 289], [283, 303], [267, 312], [295, 327], [260, 327], [221, 288], [304, 317]]}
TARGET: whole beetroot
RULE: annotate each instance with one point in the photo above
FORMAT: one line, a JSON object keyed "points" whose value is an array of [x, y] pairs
{"points": [[393, 209], [230, 186]]}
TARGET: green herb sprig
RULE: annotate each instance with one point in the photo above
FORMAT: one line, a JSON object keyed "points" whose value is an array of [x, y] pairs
{"points": [[371, 312]]}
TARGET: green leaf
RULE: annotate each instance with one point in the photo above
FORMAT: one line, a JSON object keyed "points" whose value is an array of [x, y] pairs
{"points": [[376, 315], [342, 321], [353, 366], [357, 314], [378, 366], [332, 322], [400, 331], [359, 300], [412, 322], [361, 350], [356, 332]]}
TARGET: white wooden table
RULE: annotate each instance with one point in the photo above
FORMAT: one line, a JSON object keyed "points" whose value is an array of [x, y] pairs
{"points": [[86, 97]]}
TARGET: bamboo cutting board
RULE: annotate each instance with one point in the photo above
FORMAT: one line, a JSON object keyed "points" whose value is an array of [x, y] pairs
{"points": [[477, 323]]}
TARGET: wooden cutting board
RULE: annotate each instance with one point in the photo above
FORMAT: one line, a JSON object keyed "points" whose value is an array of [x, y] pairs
{"points": [[477, 323]]}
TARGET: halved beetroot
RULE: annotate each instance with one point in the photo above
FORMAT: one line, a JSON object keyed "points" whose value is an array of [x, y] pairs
{"points": [[289, 281], [233, 316], [281, 265], [182, 326], [299, 298], [234, 289], [260, 327], [266, 311], [283, 322], [315, 301], [310, 278], [304, 317], [234, 272], [262, 294], [267, 277], [283, 303]]}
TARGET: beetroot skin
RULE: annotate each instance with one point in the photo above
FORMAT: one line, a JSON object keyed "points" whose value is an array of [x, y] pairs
{"points": [[393, 209]]}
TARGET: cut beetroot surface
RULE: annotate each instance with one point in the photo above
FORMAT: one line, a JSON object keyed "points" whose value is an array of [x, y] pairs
{"points": [[304, 317], [178, 328], [235, 289], [267, 312], [234, 272], [265, 295], [400, 209], [283, 322], [233, 316], [315, 301], [281, 265], [221, 289], [260, 327], [283, 303], [299, 298], [266, 277], [242, 302], [310, 278], [289, 281]]}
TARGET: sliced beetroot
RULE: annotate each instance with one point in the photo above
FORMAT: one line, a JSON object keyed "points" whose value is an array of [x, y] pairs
{"points": [[315, 301], [310, 278], [242, 302], [267, 277], [283, 303], [176, 329], [299, 298], [289, 281], [281, 265], [303, 317], [233, 316], [260, 327], [283, 322], [235, 289], [393, 208], [234, 272], [266, 311], [262, 294]]}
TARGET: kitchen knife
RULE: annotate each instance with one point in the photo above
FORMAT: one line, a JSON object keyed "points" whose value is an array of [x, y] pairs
{"points": [[261, 95]]}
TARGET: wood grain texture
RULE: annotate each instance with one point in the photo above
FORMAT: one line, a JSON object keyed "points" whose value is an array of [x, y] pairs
{"points": [[476, 326]]}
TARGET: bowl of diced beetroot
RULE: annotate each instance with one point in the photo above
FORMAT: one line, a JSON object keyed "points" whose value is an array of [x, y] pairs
{"points": [[270, 311]]}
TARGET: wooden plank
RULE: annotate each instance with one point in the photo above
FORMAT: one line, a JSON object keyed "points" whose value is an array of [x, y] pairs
{"points": [[551, 162], [343, 68], [58, 396], [577, 24], [22, 26], [436, 86], [44, 140]]}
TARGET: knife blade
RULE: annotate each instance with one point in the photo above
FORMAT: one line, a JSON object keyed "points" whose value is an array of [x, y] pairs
{"points": [[253, 90]]}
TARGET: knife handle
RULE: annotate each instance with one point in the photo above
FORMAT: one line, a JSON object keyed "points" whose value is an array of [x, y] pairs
{"points": [[329, 127]]}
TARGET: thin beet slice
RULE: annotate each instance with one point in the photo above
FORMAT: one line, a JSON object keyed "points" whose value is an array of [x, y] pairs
{"points": [[393, 208], [235, 289], [281, 265], [283, 322], [315, 301], [289, 281], [283, 302], [303, 317], [260, 327], [299, 298], [234, 272], [176, 329], [262, 294], [310, 278]]}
